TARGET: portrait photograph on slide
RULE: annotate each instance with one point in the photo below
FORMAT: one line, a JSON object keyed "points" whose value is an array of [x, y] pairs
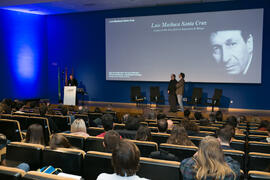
{"points": [[218, 47]]}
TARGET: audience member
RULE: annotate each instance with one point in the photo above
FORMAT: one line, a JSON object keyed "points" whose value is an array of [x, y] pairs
{"points": [[170, 124], [263, 125], [64, 112], [35, 134], [125, 161], [111, 140], [132, 124], [219, 116], [59, 141], [186, 113], [143, 134], [78, 128], [267, 139], [43, 111], [161, 116], [179, 136], [19, 108], [198, 115], [107, 123], [6, 109], [209, 163], [231, 120], [212, 117], [224, 135], [191, 128], [241, 119], [162, 125]]}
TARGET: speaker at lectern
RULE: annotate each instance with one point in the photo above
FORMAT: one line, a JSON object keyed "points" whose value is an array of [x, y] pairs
{"points": [[70, 95]]}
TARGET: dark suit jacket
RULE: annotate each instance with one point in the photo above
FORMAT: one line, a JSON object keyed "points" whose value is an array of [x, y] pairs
{"points": [[172, 87], [180, 86], [72, 82]]}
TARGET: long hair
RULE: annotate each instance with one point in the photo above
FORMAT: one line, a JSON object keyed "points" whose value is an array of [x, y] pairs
{"points": [[179, 136], [143, 134], [78, 126], [210, 160], [35, 134], [59, 141]]}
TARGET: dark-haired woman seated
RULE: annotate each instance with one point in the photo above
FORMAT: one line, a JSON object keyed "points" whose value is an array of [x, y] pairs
{"points": [[179, 136]]}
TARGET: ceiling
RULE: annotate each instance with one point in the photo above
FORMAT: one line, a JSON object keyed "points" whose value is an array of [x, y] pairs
{"points": [[47, 7]]}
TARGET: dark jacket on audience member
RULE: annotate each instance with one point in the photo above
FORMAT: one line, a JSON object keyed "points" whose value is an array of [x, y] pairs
{"points": [[224, 147], [189, 173]]}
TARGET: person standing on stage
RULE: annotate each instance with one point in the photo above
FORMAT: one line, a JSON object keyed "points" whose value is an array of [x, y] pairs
{"points": [[180, 87], [72, 81], [172, 95]]}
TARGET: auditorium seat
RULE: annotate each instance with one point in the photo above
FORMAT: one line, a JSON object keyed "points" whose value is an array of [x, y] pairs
{"points": [[258, 161], [256, 137], [18, 152], [240, 137], [150, 121], [96, 163], [117, 126], [93, 143], [127, 134], [196, 139], [149, 168], [179, 151], [21, 119], [75, 140], [144, 123], [160, 137], [258, 175], [34, 175], [255, 146], [208, 128], [94, 131], [84, 117], [205, 133], [236, 155], [257, 132], [92, 116], [10, 173], [238, 145], [62, 122], [159, 169], [153, 129], [69, 160], [146, 147], [11, 129], [152, 124]]}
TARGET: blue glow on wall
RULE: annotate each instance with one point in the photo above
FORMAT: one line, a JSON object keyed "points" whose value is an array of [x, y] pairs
{"points": [[25, 54]]}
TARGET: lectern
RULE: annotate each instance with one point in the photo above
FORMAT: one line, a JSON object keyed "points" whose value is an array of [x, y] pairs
{"points": [[70, 95]]}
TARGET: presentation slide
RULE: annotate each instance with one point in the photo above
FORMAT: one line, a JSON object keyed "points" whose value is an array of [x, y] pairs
{"points": [[215, 47]]}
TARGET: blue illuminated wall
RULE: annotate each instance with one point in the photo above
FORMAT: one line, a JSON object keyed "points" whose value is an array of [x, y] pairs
{"points": [[23, 55], [78, 41]]}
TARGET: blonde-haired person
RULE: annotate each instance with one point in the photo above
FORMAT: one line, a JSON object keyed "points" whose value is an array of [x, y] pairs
{"points": [[78, 127], [209, 162]]}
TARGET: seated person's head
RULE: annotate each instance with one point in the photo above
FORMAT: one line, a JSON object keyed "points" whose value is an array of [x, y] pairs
{"points": [[33, 104], [161, 116], [162, 125], [78, 126], [230, 128], [143, 134], [64, 110], [204, 122], [268, 129], [107, 122], [170, 124], [231, 120], [190, 126], [59, 141], [126, 158], [3, 141], [43, 110], [225, 135], [210, 160], [219, 116], [179, 136], [6, 109], [132, 124], [186, 113], [242, 119], [264, 124], [97, 110], [35, 134], [211, 117], [198, 115], [111, 140], [19, 106]]}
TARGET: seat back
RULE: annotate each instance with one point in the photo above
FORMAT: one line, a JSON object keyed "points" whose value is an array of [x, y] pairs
{"points": [[62, 122], [69, 160], [127, 134], [33, 175], [258, 161], [75, 140], [94, 131], [257, 132], [25, 152], [21, 119], [258, 175], [236, 155], [96, 163], [92, 117], [153, 129], [11, 129], [159, 169], [117, 126], [160, 137], [208, 128], [238, 145], [240, 137], [262, 147], [9, 173], [146, 147], [196, 139], [93, 143], [256, 137], [182, 152]]}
